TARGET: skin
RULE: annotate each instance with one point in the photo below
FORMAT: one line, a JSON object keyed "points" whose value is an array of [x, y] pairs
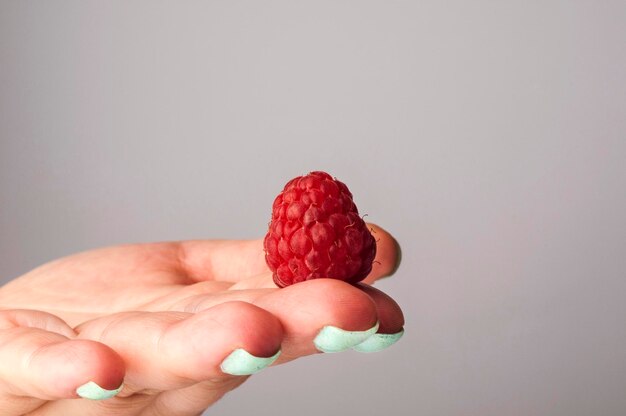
{"points": [[161, 318]]}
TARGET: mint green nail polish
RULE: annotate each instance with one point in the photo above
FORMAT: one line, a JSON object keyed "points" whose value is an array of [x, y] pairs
{"points": [[241, 363], [333, 339], [378, 342], [93, 391]]}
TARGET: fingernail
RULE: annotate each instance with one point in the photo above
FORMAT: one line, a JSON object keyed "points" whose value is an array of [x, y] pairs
{"points": [[333, 339], [92, 391], [241, 363], [378, 342]]}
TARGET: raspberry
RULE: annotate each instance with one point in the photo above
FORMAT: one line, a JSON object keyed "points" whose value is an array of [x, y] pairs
{"points": [[316, 232]]}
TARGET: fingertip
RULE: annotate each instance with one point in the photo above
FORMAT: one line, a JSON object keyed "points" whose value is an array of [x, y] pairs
{"points": [[258, 331], [388, 254], [390, 314], [106, 367], [66, 368], [234, 338]]}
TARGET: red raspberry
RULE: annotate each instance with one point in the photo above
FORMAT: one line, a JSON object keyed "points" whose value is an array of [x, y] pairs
{"points": [[316, 231]]}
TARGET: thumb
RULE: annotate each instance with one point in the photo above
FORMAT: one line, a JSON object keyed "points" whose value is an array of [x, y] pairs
{"points": [[41, 361]]}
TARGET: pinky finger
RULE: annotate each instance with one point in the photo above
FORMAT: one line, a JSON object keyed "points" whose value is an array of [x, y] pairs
{"points": [[41, 361]]}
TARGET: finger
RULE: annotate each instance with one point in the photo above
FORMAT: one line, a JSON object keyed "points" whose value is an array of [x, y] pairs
{"points": [[224, 260], [234, 261], [391, 320], [388, 254], [321, 315], [386, 263], [41, 362], [390, 314], [172, 350], [317, 305]]}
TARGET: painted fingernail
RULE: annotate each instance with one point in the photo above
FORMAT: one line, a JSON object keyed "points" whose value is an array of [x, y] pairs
{"points": [[241, 363], [333, 339], [92, 391], [378, 342]]}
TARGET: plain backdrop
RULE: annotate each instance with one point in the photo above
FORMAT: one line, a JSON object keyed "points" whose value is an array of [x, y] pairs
{"points": [[488, 136]]}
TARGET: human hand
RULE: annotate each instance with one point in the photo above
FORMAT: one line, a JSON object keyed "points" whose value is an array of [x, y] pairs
{"points": [[179, 323]]}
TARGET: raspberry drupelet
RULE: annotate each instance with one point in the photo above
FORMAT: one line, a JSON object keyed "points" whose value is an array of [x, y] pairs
{"points": [[316, 232]]}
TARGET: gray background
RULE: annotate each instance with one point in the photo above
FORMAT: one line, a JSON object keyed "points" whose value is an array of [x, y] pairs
{"points": [[488, 136]]}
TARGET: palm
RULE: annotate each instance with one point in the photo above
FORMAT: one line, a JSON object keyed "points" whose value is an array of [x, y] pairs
{"points": [[133, 277]]}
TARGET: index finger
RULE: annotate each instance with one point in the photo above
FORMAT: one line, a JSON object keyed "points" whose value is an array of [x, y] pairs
{"points": [[237, 260]]}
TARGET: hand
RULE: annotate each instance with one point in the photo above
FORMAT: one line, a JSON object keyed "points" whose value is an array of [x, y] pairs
{"points": [[180, 324]]}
